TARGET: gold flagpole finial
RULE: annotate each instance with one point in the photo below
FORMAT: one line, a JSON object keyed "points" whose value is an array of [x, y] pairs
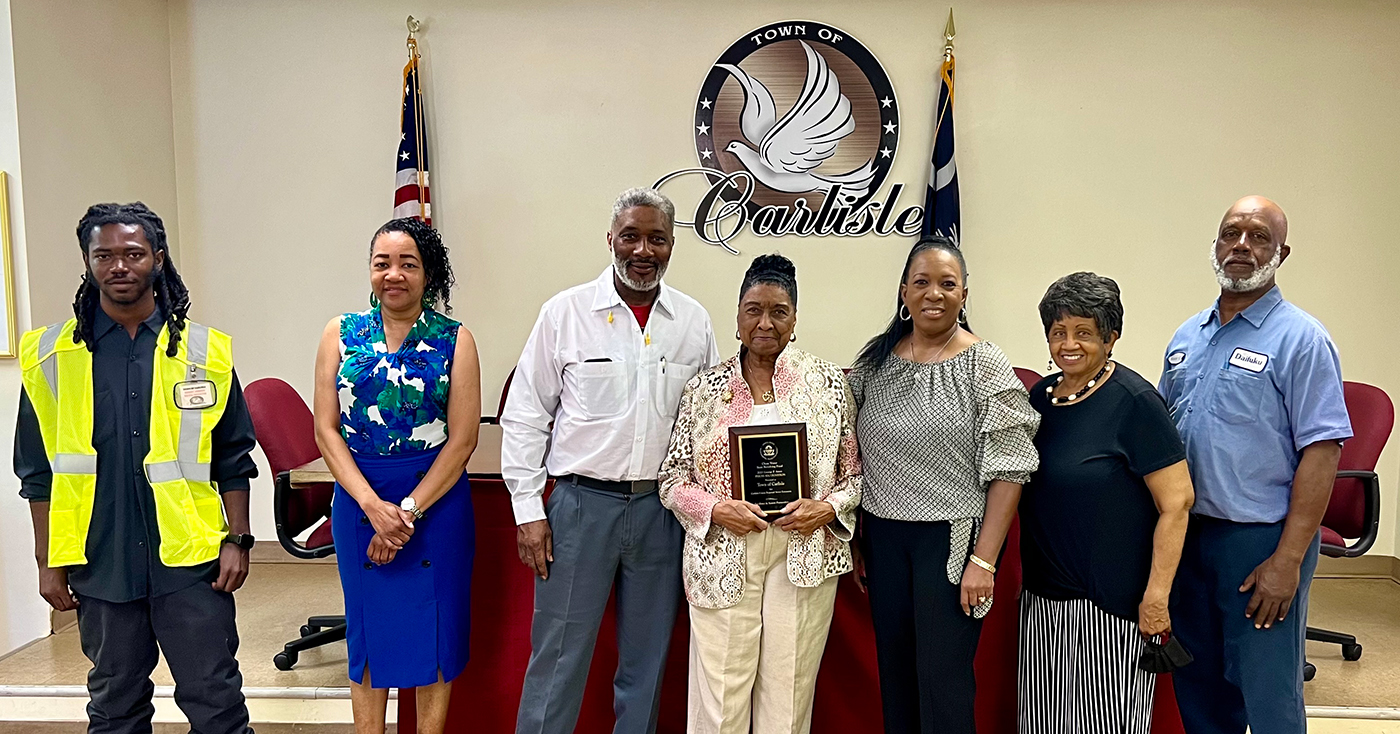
{"points": [[949, 32], [413, 25]]}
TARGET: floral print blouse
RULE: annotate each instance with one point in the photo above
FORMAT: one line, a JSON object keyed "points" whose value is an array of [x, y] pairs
{"points": [[394, 403], [695, 475]]}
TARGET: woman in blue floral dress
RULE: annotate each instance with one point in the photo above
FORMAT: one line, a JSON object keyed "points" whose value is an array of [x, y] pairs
{"points": [[398, 404]]}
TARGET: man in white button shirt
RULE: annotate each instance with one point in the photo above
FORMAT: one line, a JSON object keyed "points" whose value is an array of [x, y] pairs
{"points": [[592, 404]]}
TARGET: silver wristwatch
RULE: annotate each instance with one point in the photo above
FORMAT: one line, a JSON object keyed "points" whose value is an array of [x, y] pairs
{"points": [[410, 506]]}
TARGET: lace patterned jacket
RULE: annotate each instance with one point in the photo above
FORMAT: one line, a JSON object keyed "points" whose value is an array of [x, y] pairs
{"points": [[695, 475]]}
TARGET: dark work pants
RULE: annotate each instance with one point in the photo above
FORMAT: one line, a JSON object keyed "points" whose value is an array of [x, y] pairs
{"points": [[603, 540], [195, 629], [924, 643], [1241, 675]]}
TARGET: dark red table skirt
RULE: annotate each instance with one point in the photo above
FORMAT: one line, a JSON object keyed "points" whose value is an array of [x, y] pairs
{"points": [[486, 695]]}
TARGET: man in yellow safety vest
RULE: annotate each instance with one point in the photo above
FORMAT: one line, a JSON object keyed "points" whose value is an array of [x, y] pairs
{"points": [[133, 446]]}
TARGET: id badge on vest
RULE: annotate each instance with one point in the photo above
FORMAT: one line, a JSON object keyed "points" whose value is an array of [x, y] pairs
{"points": [[195, 394]]}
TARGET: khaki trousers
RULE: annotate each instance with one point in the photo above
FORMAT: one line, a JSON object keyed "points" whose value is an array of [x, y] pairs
{"points": [[758, 660]]}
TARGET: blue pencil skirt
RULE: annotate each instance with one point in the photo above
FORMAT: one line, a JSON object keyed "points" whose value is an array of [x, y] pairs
{"points": [[409, 620]]}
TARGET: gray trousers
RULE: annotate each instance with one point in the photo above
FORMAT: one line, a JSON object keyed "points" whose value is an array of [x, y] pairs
{"points": [[195, 629], [601, 539]]}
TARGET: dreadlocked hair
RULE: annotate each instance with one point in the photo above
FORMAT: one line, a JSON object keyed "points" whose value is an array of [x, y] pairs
{"points": [[436, 266], [172, 297]]}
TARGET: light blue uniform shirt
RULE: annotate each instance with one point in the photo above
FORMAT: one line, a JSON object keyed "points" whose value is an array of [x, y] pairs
{"points": [[1247, 397]]}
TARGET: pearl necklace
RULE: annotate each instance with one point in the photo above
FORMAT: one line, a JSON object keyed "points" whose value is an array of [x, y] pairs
{"points": [[1050, 389]]}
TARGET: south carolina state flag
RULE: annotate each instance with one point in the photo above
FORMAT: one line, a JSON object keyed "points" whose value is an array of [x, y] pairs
{"points": [[942, 212]]}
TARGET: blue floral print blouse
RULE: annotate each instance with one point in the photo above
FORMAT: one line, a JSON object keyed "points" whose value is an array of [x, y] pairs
{"points": [[394, 403]]}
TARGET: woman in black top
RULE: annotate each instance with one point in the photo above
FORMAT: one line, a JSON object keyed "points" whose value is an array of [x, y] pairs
{"points": [[1102, 524]]}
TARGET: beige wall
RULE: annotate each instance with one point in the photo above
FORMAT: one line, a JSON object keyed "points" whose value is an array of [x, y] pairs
{"points": [[1092, 135], [85, 105], [1104, 136], [92, 80], [23, 615]]}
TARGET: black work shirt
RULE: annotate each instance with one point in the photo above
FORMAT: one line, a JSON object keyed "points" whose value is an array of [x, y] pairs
{"points": [[1087, 516], [123, 542]]}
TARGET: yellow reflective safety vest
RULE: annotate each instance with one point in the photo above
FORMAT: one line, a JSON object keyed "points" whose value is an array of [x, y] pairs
{"points": [[188, 395]]}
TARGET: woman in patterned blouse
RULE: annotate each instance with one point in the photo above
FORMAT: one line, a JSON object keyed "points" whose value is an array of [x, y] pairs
{"points": [[398, 404], [945, 434], [761, 594]]}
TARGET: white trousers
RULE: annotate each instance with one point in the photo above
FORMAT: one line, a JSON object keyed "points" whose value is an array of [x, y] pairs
{"points": [[757, 661]]}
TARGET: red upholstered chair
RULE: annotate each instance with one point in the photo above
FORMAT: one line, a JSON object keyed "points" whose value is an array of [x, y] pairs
{"points": [[286, 431], [1355, 508], [501, 407], [1027, 377]]}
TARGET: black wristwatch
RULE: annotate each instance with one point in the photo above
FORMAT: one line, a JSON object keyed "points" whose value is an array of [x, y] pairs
{"points": [[244, 541]]}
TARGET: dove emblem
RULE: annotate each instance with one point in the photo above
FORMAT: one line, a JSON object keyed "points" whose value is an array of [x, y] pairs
{"points": [[783, 154]]}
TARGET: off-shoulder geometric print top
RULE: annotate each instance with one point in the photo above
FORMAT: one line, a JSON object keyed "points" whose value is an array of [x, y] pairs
{"points": [[394, 403], [933, 436]]}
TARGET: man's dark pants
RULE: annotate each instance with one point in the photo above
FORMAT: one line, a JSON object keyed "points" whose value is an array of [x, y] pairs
{"points": [[1241, 675], [195, 629]]}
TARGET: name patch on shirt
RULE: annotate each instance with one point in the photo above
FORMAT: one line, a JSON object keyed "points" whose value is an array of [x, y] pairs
{"points": [[1176, 358], [1252, 361]]}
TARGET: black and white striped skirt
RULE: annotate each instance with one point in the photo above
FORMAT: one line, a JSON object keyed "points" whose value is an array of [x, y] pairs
{"points": [[1078, 670]]}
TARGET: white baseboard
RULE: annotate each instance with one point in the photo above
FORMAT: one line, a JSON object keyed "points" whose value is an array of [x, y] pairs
{"points": [[303, 705], [1364, 567]]}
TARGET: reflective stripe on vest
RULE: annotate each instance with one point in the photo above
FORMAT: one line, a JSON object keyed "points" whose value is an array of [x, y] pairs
{"points": [[189, 511], [47, 342], [188, 465], [74, 464]]}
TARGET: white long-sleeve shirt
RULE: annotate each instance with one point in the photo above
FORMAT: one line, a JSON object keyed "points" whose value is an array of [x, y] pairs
{"points": [[610, 388]]}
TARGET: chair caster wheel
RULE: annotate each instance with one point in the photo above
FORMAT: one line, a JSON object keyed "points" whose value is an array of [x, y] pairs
{"points": [[307, 630], [1309, 670], [284, 660], [1351, 652]]}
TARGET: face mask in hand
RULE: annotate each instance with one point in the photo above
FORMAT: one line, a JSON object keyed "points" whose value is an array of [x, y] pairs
{"points": [[1164, 658]]}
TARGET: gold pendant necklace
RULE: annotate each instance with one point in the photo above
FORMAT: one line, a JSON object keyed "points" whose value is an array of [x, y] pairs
{"points": [[764, 397]]}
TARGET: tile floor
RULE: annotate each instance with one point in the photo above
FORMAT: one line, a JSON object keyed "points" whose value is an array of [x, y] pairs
{"points": [[279, 597], [272, 606]]}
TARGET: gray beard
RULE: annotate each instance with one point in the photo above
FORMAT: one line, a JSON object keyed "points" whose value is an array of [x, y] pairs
{"points": [[1254, 282], [620, 267]]}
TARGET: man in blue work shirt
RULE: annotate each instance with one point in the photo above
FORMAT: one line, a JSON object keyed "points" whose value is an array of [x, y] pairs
{"points": [[1255, 387]]}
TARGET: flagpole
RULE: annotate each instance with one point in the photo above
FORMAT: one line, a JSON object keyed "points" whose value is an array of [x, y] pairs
{"points": [[413, 56], [949, 32], [942, 212]]}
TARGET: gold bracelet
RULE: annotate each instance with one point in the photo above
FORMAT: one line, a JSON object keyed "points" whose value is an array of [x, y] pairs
{"points": [[979, 562]]}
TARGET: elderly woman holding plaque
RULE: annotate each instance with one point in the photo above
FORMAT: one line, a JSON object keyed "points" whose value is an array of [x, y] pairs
{"points": [[764, 475]]}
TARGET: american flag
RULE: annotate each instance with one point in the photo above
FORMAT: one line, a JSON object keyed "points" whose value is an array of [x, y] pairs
{"points": [[411, 181], [942, 210]]}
